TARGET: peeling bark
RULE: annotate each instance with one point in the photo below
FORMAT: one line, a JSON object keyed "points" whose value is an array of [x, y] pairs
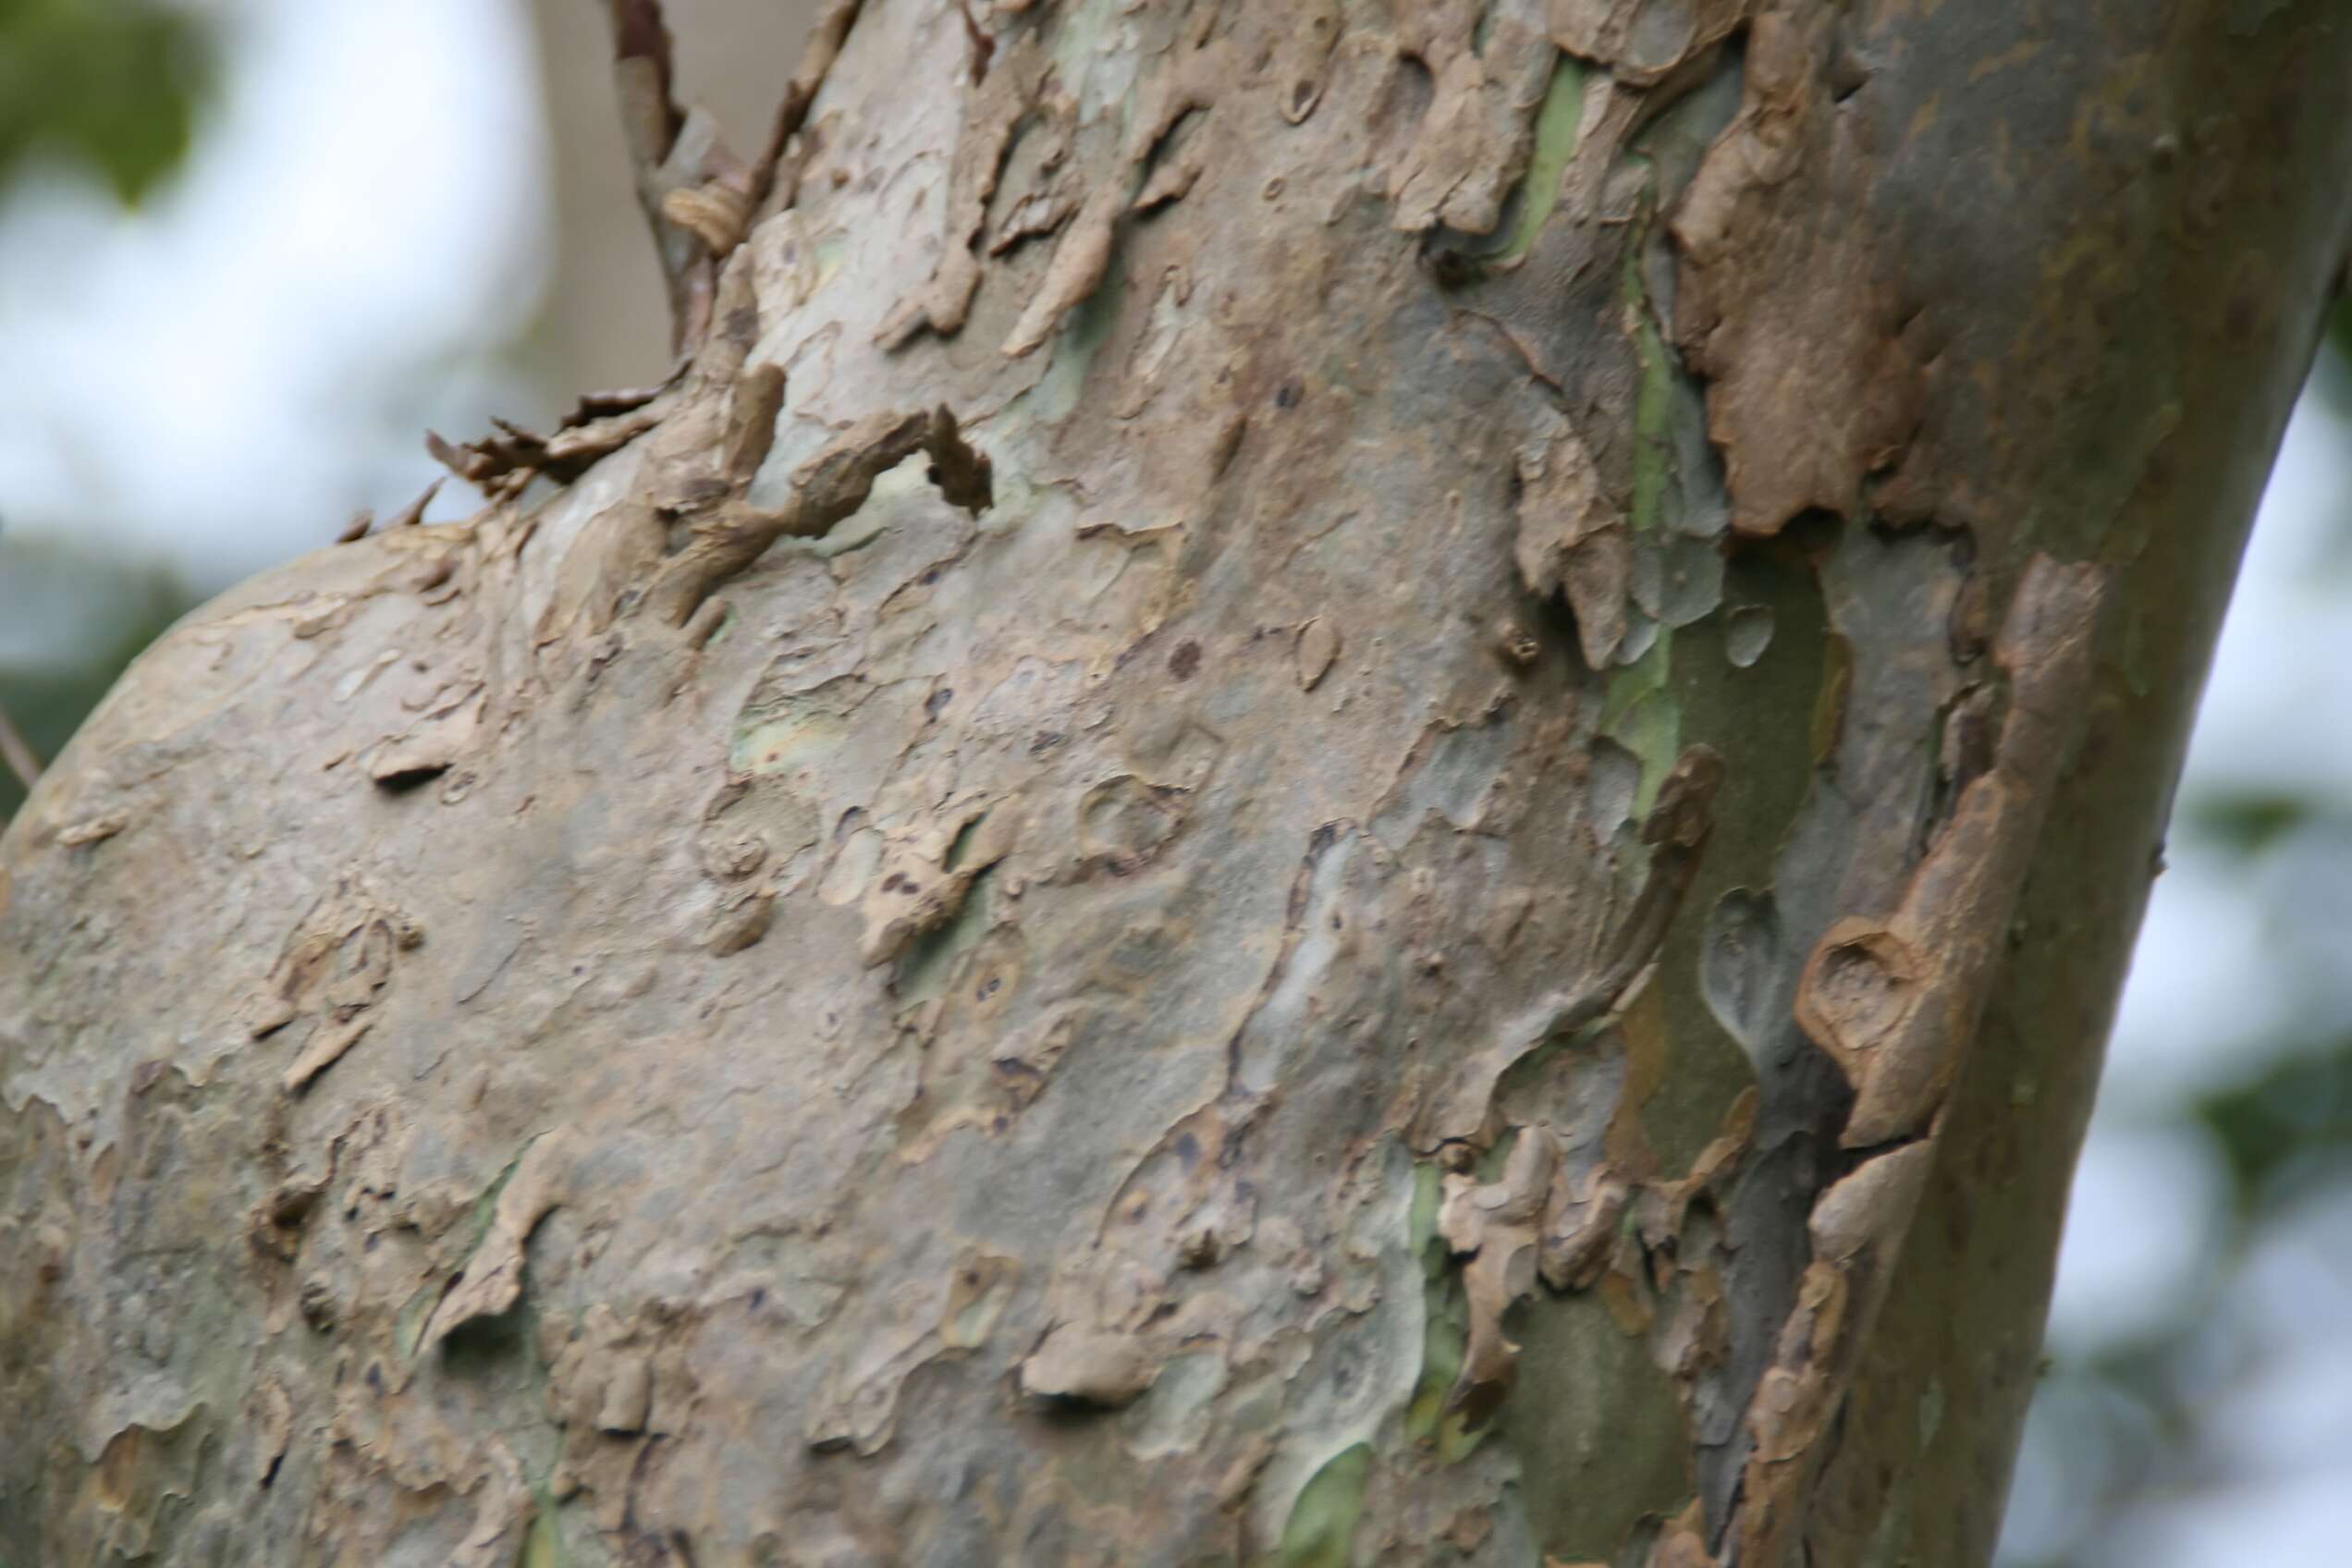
{"points": [[1336, 785]]}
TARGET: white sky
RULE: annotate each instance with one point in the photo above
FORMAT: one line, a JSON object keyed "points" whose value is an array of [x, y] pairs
{"points": [[219, 378]]}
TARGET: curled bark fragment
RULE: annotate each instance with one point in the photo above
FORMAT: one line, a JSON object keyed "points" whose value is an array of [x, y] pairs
{"points": [[1579, 1231], [826, 489], [1304, 61], [1316, 647], [504, 460], [1857, 1230], [1001, 104], [1767, 304], [1104, 1369], [444, 733], [92, 829], [1497, 1226], [573, 451], [326, 1047], [923, 881], [594, 406], [750, 421], [741, 920], [1643, 40], [1894, 1001], [1187, 82], [492, 1279], [1572, 538], [714, 211], [1474, 141], [272, 1412], [474, 463], [1683, 1543], [414, 513]]}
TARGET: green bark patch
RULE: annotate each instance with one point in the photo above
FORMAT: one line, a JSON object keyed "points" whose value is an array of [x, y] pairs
{"points": [[1323, 1519], [1590, 1411], [1556, 122], [1083, 332], [1445, 1332]]}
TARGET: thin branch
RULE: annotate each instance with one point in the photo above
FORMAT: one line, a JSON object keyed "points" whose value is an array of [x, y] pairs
{"points": [[700, 199], [645, 75], [23, 760], [643, 60], [832, 30]]}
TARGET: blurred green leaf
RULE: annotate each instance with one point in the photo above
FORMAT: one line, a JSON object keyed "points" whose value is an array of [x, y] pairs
{"points": [[2250, 823], [2295, 1117], [113, 81]]}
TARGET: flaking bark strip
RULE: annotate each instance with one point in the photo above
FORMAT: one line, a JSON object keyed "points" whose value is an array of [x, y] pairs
{"points": [[1497, 1228], [1523, 1226], [1895, 1000], [1571, 539], [491, 1281], [1187, 82], [1475, 139], [1856, 1230], [1770, 301], [750, 421], [1676, 831], [826, 489], [1894, 1003], [1640, 42], [1007, 99]]}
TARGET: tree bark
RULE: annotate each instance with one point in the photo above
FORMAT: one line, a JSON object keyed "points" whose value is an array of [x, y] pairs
{"points": [[1343, 785]]}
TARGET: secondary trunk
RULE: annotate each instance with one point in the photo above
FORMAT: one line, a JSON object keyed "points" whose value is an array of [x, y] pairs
{"points": [[1343, 785]]}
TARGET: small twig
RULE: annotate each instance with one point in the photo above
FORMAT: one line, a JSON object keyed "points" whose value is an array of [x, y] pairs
{"points": [[832, 30], [651, 121], [700, 199], [23, 760], [650, 115]]}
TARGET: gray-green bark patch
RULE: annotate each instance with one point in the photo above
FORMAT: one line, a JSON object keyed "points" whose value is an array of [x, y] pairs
{"points": [[1323, 1520]]}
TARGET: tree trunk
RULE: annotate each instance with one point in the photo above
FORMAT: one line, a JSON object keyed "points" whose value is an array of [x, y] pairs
{"points": [[1344, 785]]}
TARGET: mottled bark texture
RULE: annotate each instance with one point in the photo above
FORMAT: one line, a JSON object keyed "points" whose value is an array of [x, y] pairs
{"points": [[1344, 785]]}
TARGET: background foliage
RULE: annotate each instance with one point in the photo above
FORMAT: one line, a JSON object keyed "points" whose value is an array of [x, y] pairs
{"points": [[114, 82]]}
